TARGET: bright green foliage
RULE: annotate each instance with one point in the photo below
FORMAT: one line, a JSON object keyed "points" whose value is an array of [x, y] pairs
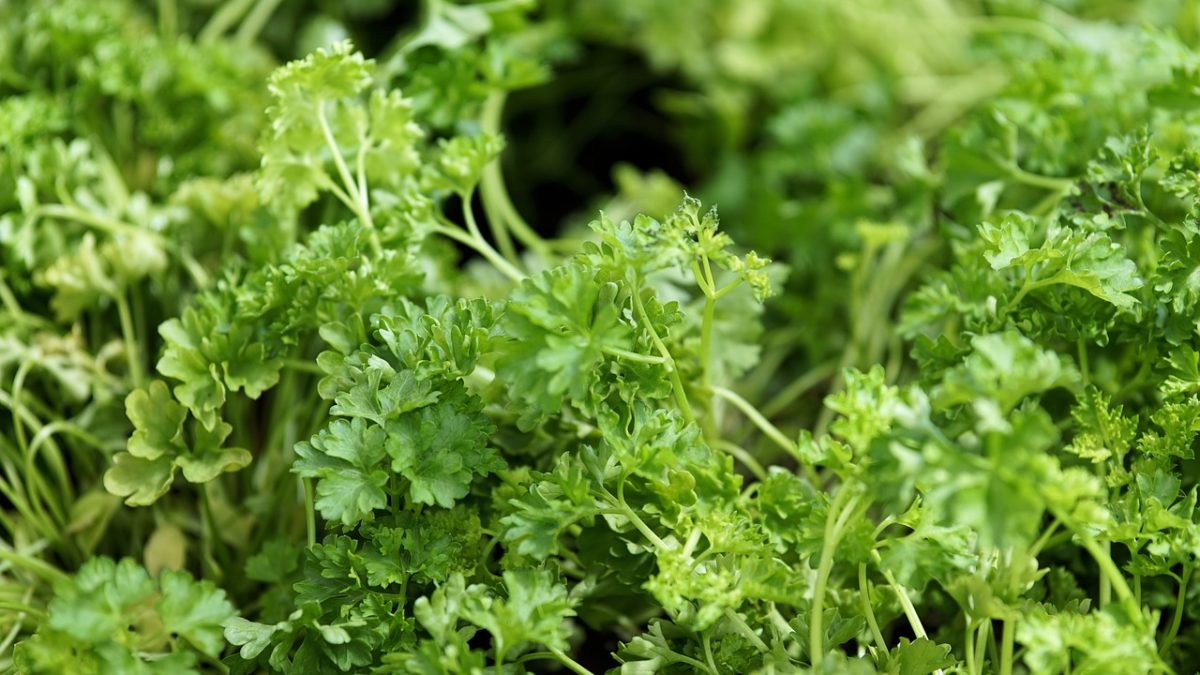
{"points": [[112, 617], [445, 401]]}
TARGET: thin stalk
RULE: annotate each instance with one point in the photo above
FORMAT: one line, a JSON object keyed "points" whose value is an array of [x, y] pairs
{"points": [[637, 522], [1007, 635], [38, 567], [222, 19], [494, 193], [708, 653], [981, 634], [310, 513], [910, 612], [1108, 569], [742, 456], [133, 355], [23, 609], [798, 387], [255, 21], [490, 117], [740, 626], [677, 384], [567, 661], [168, 18], [864, 601], [9, 300], [1177, 617], [632, 356], [969, 648], [839, 512], [764, 425], [303, 366], [360, 206], [482, 248]]}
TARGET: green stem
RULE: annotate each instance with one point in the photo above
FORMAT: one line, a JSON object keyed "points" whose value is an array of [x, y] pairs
{"points": [[23, 609], [864, 601], [969, 647], [708, 653], [168, 18], [1007, 635], [910, 612], [740, 626], [494, 194], [632, 356], [1177, 616], [568, 662], [255, 21], [102, 223], [489, 121], [361, 206], [303, 366], [38, 567], [1105, 582], [798, 387], [769, 430], [677, 384], [1108, 569], [310, 513], [637, 522], [1038, 180], [840, 512], [222, 19], [9, 300], [132, 354], [981, 633], [742, 456], [482, 248]]}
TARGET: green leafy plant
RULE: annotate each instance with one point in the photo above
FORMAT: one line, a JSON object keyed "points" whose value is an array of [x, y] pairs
{"points": [[296, 377]]}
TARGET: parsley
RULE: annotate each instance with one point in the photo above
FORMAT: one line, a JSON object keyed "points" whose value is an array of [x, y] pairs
{"points": [[298, 374]]}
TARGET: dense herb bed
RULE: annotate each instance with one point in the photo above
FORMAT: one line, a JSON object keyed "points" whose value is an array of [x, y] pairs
{"points": [[303, 369]]}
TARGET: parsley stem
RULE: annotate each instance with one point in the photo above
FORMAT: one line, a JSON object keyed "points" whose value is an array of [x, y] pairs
{"points": [[254, 22], [769, 430], [133, 355], [496, 201], [360, 205], [677, 384], [798, 387], [1007, 634], [489, 122], [222, 19], [303, 366], [864, 601], [103, 223], [567, 661], [1037, 180], [742, 456], [840, 511], [982, 631], [740, 626], [1177, 617], [1109, 572], [632, 356], [910, 612], [706, 640], [310, 514], [38, 567], [705, 280], [482, 248], [637, 522], [9, 300], [168, 19], [23, 609]]}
